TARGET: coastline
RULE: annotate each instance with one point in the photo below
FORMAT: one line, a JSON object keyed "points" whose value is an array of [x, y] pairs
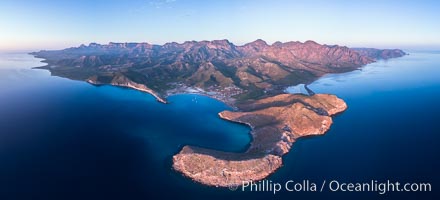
{"points": [[271, 140], [225, 169], [132, 85], [261, 159], [276, 120]]}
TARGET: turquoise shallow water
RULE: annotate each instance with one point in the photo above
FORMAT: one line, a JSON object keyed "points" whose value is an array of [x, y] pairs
{"points": [[64, 139]]}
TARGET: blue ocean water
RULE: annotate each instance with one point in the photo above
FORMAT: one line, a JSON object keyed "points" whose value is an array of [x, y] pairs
{"points": [[64, 139], [388, 132]]}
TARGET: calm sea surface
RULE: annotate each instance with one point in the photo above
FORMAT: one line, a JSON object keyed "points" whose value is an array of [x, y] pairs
{"points": [[65, 139]]}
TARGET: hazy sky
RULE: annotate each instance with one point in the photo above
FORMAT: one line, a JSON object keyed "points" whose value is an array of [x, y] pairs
{"points": [[39, 24]]}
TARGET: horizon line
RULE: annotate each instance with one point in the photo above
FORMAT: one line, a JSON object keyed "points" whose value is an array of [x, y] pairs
{"points": [[358, 45]]}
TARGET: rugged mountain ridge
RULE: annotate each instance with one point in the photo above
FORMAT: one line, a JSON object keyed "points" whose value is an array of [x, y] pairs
{"points": [[254, 70]]}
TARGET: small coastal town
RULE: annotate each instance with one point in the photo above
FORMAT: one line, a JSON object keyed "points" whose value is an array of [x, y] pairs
{"points": [[225, 94]]}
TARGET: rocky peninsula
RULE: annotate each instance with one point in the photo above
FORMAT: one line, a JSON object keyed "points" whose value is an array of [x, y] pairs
{"points": [[277, 122], [251, 78], [123, 81]]}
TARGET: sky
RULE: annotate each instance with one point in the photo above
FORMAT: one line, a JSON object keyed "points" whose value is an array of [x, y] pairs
{"points": [[48, 24]]}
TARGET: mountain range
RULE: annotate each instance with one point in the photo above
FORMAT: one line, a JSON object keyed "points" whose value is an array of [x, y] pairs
{"points": [[250, 71]]}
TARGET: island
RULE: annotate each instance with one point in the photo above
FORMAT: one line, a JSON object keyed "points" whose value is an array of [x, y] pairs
{"points": [[250, 78]]}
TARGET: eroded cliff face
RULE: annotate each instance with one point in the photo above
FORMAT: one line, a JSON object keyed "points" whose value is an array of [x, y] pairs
{"points": [[276, 124]]}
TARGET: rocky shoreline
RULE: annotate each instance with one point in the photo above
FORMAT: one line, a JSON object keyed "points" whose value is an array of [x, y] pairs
{"points": [[125, 82], [276, 122]]}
